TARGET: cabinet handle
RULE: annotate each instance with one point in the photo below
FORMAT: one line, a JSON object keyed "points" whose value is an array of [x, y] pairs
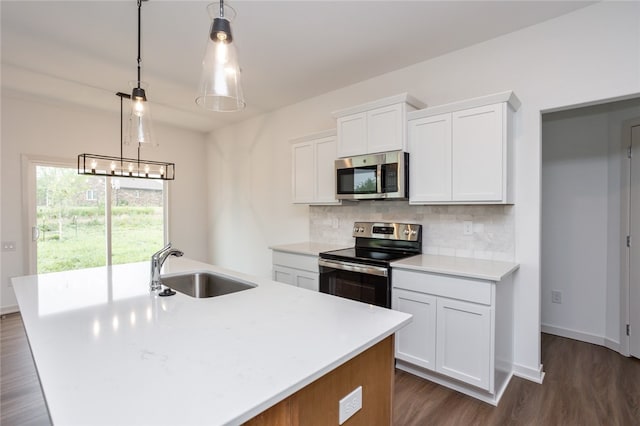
{"points": [[354, 267]]}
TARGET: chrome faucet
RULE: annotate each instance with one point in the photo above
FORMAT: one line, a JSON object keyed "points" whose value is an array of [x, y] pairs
{"points": [[157, 260]]}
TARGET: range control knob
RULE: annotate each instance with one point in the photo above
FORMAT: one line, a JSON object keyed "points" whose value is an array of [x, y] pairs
{"points": [[414, 232], [355, 229], [361, 229], [407, 232]]}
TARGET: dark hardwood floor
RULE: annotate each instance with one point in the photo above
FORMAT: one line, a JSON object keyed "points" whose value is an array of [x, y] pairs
{"points": [[21, 401], [584, 385]]}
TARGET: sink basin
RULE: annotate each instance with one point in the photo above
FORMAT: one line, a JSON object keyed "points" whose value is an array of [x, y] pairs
{"points": [[204, 284]]}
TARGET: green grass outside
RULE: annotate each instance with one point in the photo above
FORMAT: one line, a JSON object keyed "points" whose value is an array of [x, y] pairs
{"points": [[137, 232]]}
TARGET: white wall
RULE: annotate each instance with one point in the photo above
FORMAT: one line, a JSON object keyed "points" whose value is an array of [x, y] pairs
{"points": [[574, 222], [582, 234], [588, 55], [53, 129]]}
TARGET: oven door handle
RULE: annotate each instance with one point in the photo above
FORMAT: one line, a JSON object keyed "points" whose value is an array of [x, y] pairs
{"points": [[354, 267]]}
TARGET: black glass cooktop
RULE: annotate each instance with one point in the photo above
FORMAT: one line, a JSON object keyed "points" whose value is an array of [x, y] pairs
{"points": [[366, 255]]}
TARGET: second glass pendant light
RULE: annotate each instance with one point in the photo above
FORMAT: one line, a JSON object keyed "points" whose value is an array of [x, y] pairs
{"points": [[220, 86]]}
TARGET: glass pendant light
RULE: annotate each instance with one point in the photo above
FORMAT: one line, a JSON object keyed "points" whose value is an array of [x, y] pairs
{"points": [[139, 128], [220, 88]]}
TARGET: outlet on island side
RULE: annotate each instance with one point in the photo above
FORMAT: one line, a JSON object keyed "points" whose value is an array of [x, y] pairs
{"points": [[349, 405], [556, 296]]}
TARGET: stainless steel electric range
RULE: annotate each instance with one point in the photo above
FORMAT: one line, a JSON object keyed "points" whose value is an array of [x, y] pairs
{"points": [[363, 272]]}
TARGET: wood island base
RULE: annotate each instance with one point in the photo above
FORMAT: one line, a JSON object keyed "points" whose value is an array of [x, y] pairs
{"points": [[317, 403]]}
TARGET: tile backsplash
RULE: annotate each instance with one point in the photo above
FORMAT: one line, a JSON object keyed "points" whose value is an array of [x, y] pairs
{"points": [[442, 226]]}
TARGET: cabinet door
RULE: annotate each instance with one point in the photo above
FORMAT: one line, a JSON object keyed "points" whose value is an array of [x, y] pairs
{"points": [[464, 342], [283, 274], [325, 170], [416, 342], [352, 135], [430, 148], [308, 280], [303, 179], [385, 129], [478, 149]]}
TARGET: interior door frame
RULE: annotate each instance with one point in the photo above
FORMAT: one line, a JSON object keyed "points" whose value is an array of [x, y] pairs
{"points": [[625, 260], [29, 164]]}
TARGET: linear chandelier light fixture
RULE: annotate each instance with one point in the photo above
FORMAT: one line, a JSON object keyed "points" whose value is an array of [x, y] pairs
{"points": [[138, 132], [104, 165], [220, 88]]}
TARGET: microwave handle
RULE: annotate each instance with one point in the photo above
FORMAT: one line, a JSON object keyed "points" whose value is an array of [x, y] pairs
{"points": [[354, 267], [379, 178]]}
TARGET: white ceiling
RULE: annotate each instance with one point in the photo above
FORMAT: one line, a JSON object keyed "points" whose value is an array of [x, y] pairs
{"points": [[85, 51]]}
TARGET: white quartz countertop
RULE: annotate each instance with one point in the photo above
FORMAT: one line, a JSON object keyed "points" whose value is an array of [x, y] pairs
{"points": [[110, 353], [308, 247], [492, 270]]}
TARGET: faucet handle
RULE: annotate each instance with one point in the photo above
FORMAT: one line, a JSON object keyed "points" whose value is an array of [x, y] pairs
{"points": [[162, 250]]}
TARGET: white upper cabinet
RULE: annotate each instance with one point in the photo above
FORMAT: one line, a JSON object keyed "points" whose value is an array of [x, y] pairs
{"points": [[377, 126], [479, 146], [430, 158], [313, 169], [303, 175], [353, 130], [462, 152]]}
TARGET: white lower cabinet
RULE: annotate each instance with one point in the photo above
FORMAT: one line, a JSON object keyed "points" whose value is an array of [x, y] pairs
{"points": [[416, 343], [464, 342], [296, 269], [453, 339]]}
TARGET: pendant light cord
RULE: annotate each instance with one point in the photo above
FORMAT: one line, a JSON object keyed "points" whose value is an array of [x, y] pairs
{"points": [[139, 20], [222, 8], [121, 133]]}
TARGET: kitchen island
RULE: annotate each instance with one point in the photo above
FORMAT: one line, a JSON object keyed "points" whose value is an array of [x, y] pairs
{"points": [[109, 352]]}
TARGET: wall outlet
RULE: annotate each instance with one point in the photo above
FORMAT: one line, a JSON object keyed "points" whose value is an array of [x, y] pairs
{"points": [[556, 296], [349, 405], [467, 226], [8, 246]]}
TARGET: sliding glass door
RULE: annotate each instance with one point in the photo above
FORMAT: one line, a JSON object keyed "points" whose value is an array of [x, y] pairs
{"points": [[80, 221]]}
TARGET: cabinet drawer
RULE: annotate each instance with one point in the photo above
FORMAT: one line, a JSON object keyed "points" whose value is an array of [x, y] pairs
{"points": [[297, 261], [471, 290]]}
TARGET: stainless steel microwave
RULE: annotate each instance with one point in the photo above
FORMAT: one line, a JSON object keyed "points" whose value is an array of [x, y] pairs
{"points": [[373, 176]]}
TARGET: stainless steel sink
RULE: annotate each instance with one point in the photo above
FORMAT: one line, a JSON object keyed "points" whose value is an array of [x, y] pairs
{"points": [[204, 284]]}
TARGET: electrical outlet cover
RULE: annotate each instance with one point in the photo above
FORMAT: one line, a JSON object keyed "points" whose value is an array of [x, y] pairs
{"points": [[349, 405], [467, 227]]}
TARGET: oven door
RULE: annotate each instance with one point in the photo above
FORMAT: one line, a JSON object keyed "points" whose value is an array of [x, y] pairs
{"points": [[364, 283]]}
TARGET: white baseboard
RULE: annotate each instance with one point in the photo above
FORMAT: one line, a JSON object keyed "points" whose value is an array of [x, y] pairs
{"points": [[614, 346], [573, 334], [533, 374], [583, 337], [4, 310]]}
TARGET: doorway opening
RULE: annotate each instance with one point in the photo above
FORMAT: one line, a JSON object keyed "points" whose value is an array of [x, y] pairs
{"points": [[585, 293]]}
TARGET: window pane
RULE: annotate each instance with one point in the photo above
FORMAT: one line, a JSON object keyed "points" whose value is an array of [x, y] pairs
{"points": [[137, 228], [70, 219]]}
